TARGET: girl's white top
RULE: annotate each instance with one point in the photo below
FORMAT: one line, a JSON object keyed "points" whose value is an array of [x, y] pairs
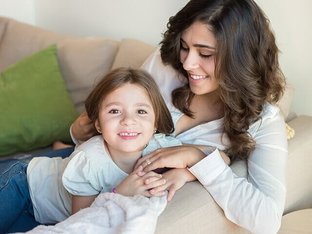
{"points": [[256, 201], [88, 171]]}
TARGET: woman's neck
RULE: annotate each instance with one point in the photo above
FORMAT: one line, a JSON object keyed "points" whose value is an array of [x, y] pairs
{"points": [[205, 108]]}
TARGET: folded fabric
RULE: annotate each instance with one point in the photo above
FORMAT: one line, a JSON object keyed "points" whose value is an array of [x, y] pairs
{"points": [[112, 213]]}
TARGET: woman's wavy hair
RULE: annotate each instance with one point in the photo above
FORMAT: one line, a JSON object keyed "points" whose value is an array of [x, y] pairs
{"points": [[246, 63], [121, 76]]}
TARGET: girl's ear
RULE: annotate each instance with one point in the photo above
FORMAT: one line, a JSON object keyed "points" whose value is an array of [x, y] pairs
{"points": [[97, 126]]}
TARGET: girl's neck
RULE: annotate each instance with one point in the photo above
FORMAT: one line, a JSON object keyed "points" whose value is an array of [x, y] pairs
{"points": [[124, 160]]}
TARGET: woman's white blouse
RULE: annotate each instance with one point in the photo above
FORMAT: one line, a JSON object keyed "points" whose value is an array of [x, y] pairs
{"points": [[256, 202]]}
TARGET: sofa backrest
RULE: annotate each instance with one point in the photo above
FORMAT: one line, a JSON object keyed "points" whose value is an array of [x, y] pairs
{"points": [[83, 61]]}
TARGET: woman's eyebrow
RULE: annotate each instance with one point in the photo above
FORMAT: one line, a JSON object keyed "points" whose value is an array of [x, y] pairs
{"points": [[201, 45]]}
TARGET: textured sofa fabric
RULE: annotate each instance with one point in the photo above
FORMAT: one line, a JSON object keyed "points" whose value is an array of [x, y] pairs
{"points": [[298, 222], [85, 60]]}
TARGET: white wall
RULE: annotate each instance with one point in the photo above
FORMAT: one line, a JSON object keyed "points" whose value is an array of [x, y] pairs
{"points": [[22, 10], [146, 20], [292, 24], [140, 19]]}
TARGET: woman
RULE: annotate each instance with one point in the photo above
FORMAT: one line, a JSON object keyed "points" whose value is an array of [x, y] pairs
{"points": [[219, 72]]}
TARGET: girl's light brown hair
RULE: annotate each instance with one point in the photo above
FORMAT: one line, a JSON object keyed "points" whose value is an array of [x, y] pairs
{"points": [[120, 77]]}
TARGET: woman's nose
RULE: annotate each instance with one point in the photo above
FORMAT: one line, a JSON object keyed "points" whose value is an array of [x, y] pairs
{"points": [[190, 61]]}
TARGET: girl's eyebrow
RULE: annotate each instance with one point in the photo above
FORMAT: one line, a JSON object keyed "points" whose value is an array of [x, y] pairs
{"points": [[119, 104], [144, 105], [201, 45]]}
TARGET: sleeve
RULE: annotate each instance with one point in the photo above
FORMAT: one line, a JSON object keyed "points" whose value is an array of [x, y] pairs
{"points": [[79, 176], [256, 202]]}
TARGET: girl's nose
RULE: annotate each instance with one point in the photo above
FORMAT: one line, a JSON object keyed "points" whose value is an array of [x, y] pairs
{"points": [[127, 119]]}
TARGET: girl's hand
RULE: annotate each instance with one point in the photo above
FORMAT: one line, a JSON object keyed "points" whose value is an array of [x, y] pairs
{"points": [[82, 128], [139, 182], [175, 179], [172, 157]]}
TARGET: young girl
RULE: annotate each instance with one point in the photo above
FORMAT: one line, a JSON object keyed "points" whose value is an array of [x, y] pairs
{"points": [[127, 110]]}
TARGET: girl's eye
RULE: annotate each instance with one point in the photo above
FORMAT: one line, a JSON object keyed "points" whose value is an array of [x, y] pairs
{"points": [[142, 112], [114, 111]]}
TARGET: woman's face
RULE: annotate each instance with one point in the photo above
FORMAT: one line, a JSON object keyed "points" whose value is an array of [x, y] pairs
{"points": [[126, 120], [198, 49]]}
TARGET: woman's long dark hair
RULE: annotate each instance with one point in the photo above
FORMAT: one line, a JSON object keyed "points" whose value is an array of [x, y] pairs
{"points": [[246, 63]]}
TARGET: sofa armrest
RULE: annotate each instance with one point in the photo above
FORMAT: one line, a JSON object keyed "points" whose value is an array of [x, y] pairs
{"points": [[193, 210], [299, 174]]}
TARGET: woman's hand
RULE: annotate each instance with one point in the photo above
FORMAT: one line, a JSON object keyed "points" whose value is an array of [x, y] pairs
{"points": [[172, 157], [83, 128], [175, 179], [139, 182]]}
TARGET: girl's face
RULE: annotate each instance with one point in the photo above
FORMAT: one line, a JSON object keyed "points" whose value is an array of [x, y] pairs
{"points": [[126, 120], [198, 58]]}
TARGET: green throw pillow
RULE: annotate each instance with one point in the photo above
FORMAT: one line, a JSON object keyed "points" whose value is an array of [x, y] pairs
{"points": [[35, 107]]}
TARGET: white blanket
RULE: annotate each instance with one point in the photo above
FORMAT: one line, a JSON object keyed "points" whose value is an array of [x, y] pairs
{"points": [[112, 213]]}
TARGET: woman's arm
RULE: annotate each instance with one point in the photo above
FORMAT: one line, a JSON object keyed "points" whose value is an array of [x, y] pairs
{"points": [[255, 203], [178, 158], [82, 129]]}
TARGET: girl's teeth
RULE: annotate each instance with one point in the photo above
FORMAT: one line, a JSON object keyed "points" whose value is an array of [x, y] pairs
{"points": [[128, 134]]}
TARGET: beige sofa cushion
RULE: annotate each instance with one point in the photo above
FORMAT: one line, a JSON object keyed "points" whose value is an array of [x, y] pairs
{"points": [[20, 40], [299, 222], [190, 211], [299, 173], [132, 53], [83, 60], [286, 101], [3, 24]]}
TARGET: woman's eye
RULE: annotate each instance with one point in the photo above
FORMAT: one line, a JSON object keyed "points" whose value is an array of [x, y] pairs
{"points": [[142, 112], [183, 46], [114, 111], [206, 55]]}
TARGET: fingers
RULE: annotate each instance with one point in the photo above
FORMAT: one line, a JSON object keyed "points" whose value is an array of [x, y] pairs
{"points": [[140, 161], [154, 182], [139, 171], [171, 193], [159, 189]]}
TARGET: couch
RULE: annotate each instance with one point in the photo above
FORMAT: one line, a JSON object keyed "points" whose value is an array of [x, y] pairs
{"points": [[84, 60]]}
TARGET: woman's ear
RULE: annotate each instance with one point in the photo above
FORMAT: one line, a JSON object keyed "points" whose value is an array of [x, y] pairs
{"points": [[97, 126]]}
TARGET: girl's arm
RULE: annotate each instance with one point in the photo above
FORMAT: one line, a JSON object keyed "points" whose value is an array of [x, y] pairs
{"points": [[81, 202]]}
